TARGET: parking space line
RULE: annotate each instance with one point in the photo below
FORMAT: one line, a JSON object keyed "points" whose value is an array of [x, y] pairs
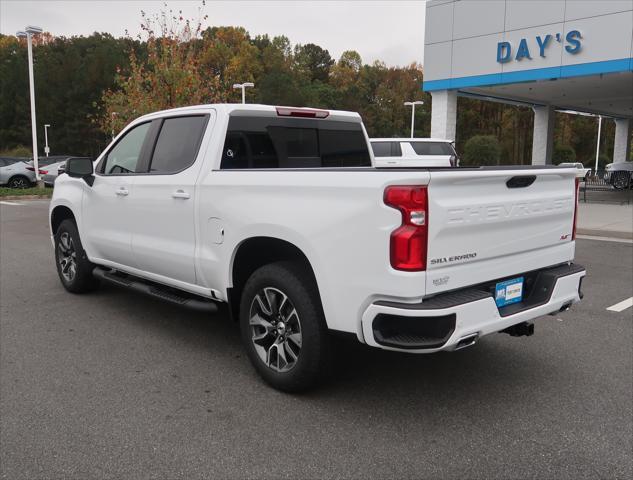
{"points": [[623, 305], [4, 202], [604, 239]]}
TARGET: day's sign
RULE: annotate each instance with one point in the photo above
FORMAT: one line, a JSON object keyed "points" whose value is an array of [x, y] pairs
{"points": [[525, 49]]}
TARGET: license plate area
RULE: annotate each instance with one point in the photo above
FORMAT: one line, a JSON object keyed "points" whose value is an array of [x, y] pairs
{"points": [[509, 292]]}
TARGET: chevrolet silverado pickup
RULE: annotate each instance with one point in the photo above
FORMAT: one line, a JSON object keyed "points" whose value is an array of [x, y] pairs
{"points": [[280, 213]]}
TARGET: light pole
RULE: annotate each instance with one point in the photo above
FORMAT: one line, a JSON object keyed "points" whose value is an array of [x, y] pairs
{"points": [[243, 87], [412, 105], [28, 32], [598, 144], [46, 149]]}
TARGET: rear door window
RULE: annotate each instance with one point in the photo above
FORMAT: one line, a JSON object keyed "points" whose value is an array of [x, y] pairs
{"points": [[386, 149], [177, 144], [433, 148], [271, 142]]}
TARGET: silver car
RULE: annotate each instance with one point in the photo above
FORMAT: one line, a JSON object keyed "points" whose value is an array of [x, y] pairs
{"points": [[15, 173], [620, 175], [49, 173]]}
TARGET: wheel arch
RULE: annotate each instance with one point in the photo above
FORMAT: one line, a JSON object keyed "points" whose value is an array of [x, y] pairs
{"points": [[59, 214], [255, 252]]}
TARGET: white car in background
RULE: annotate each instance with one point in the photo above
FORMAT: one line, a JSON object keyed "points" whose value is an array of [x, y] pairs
{"points": [[582, 170], [414, 152]]}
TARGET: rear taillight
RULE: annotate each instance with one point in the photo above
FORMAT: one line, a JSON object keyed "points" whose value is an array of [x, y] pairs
{"points": [[302, 112], [43, 172], [408, 244], [573, 232], [32, 169]]}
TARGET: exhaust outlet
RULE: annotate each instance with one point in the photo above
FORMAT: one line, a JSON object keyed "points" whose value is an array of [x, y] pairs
{"points": [[467, 341]]}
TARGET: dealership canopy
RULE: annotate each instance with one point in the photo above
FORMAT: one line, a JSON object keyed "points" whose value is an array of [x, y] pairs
{"points": [[559, 54]]}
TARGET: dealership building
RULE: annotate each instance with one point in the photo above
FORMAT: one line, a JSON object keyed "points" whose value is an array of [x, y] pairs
{"points": [[548, 54]]}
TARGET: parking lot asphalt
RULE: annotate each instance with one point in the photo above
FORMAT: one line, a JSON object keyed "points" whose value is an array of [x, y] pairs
{"points": [[117, 385]]}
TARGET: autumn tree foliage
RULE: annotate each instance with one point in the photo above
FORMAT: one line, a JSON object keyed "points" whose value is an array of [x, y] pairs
{"points": [[169, 74]]}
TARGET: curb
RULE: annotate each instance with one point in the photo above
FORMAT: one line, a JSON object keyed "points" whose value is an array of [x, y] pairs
{"points": [[604, 233], [24, 197]]}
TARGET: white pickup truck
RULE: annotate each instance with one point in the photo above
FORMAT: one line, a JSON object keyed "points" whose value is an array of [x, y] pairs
{"points": [[279, 213]]}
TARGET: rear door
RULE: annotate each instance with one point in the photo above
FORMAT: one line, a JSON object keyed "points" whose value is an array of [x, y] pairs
{"points": [[429, 153], [487, 224], [163, 237]]}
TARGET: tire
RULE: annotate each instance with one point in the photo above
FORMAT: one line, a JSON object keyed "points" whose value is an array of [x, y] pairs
{"points": [[620, 180], [19, 181], [73, 267], [272, 335]]}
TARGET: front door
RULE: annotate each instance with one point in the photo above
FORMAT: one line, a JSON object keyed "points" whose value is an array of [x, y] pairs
{"points": [[107, 211]]}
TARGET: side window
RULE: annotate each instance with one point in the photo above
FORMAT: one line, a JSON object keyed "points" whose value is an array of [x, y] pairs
{"points": [[396, 149], [432, 148], [178, 143], [124, 157], [382, 149]]}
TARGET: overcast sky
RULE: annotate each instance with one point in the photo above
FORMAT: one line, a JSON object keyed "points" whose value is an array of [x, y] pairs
{"points": [[391, 31]]}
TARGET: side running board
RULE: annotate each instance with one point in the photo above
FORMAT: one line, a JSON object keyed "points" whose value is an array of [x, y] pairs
{"points": [[155, 290]]}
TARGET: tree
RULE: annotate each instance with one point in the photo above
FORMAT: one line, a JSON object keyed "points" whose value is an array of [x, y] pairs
{"points": [[563, 154], [482, 150], [313, 62], [170, 77]]}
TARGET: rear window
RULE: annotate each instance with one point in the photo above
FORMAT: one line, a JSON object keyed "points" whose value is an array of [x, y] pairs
{"points": [[433, 148], [386, 149], [270, 142]]}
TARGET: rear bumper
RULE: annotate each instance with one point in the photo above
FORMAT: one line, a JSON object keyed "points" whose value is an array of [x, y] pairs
{"points": [[447, 321]]}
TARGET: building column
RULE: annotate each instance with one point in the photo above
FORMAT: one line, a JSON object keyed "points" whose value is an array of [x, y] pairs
{"points": [[543, 137], [444, 114], [622, 143]]}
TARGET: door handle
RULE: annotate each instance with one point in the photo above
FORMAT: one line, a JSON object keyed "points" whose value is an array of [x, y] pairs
{"points": [[180, 194], [122, 192]]}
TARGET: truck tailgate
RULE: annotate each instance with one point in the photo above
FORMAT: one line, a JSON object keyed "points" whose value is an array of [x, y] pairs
{"points": [[489, 224]]}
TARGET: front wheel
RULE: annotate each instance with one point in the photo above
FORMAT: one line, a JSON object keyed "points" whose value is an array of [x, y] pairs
{"points": [[283, 327], [73, 267]]}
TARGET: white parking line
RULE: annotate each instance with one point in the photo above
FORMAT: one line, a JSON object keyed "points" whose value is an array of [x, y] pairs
{"points": [[4, 202], [623, 305], [604, 239]]}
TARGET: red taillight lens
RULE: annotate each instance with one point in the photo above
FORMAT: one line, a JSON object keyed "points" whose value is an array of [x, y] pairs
{"points": [[301, 112], [32, 169], [43, 172], [409, 241], [573, 232]]}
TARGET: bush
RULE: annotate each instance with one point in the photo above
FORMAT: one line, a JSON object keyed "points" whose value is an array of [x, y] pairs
{"points": [[482, 150], [563, 154], [19, 151]]}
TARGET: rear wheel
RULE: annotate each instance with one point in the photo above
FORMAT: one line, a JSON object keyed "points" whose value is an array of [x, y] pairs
{"points": [[73, 267], [283, 327], [19, 181]]}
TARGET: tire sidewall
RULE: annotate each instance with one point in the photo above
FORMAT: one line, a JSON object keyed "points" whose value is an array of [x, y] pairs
{"points": [[311, 363], [83, 279]]}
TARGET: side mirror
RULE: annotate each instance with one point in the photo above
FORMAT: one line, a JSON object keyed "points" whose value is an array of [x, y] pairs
{"points": [[80, 168]]}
